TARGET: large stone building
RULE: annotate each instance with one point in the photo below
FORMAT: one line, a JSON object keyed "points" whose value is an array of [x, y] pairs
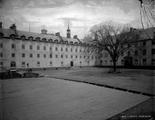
{"points": [[20, 49]]}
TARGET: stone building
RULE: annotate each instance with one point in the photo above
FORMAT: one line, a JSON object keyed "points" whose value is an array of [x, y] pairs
{"points": [[142, 52], [20, 49]]}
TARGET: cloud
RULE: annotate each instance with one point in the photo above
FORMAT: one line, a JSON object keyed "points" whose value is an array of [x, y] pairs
{"points": [[56, 14]]}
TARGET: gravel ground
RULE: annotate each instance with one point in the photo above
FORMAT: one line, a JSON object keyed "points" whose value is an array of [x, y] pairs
{"points": [[54, 99]]}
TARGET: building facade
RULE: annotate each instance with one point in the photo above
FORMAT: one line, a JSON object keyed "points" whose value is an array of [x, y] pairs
{"points": [[20, 49], [141, 52]]}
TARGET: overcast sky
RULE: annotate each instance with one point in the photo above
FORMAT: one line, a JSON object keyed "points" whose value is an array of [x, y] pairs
{"points": [[54, 15]]}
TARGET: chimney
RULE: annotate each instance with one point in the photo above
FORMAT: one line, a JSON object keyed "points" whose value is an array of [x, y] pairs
{"points": [[43, 31], [13, 27], [75, 37], [57, 34]]}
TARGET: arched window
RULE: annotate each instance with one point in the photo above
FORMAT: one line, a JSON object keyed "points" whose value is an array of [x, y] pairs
{"points": [[13, 64]]}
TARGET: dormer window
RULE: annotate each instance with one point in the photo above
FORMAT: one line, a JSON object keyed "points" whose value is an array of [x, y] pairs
{"points": [[12, 36], [30, 38], [23, 37], [66, 42], [44, 39], [76, 43], [50, 40], [56, 41], [71, 42], [37, 38]]}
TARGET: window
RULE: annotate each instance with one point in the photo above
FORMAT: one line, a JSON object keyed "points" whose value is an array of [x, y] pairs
{"points": [[66, 49], [80, 50], [56, 49], [136, 52], [50, 48], [38, 47], [105, 61], [153, 42], [76, 50], [153, 51], [50, 55], [56, 56], [76, 56], [44, 55], [23, 54], [62, 63], [31, 47], [144, 52], [61, 49], [144, 43], [136, 61], [13, 54], [23, 64], [13, 46], [61, 56], [31, 55], [71, 56], [44, 47], [153, 61], [144, 61], [13, 64], [66, 56], [38, 63], [1, 63], [23, 46], [50, 62], [1, 55], [38, 55], [1, 45]]}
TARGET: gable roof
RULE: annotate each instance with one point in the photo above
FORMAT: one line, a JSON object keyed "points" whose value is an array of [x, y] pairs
{"points": [[8, 32]]}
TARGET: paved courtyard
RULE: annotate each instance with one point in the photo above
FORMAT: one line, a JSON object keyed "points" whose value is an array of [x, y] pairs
{"points": [[131, 79], [55, 99]]}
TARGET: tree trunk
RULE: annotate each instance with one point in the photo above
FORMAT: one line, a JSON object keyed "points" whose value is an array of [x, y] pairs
{"points": [[114, 66]]}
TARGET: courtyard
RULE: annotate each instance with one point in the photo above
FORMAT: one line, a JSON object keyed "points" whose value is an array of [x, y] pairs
{"points": [[130, 79], [60, 96]]}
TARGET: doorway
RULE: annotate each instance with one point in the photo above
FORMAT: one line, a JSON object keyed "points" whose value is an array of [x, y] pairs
{"points": [[71, 64]]}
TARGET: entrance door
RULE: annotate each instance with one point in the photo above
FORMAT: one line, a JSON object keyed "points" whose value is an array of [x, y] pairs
{"points": [[71, 64]]}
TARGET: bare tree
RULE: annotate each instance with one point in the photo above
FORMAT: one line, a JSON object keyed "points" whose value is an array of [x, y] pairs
{"points": [[115, 39]]}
